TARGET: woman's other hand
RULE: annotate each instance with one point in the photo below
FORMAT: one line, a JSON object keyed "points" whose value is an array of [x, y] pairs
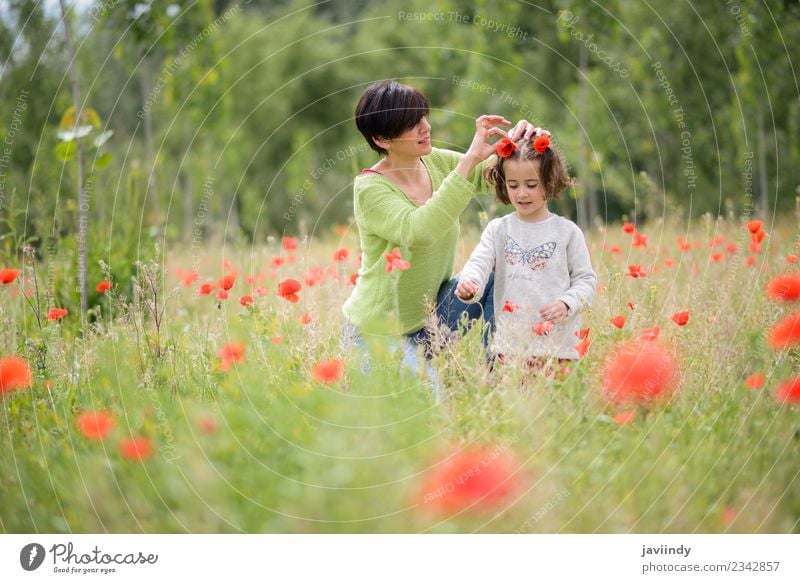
{"points": [[524, 129]]}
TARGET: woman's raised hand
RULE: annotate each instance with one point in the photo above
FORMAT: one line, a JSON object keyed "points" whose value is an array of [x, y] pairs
{"points": [[525, 129], [485, 129]]}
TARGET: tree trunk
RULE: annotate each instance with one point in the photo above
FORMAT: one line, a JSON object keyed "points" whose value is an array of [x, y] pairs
{"points": [[583, 167], [186, 183], [147, 122], [762, 165], [83, 203]]}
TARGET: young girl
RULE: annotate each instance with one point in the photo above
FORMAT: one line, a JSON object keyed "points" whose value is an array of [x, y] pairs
{"points": [[543, 277]]}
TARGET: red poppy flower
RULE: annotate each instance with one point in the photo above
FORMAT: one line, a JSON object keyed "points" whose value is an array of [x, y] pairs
{"points": [[207, 425], [639, 240], [340, 255], [754, 226], [329, 371], [223, 294], [206, 288], [509, 307], [669, 262], [277, 261], [276, 339], [631, 305], [476, 478], [618, 321], [306, 319], [505, 148], [246, 301], [288, 288], [758, 237], [543, 328], [784, 288], [788, 391], [728, 515], [750, 261], [230, 353], [226, 281], [754, 381], [732, 248], [717, 257], [136, 449], [680, 318], [628, 228], [582, 347], [353, 278], [650, 333], [289, 243], [583, 334], [615, 249], [15, 373], [639, 373], [95, 425], [395, 261], [8, 276], [791, 259], [624, 417], [541, 143], [684, 245], [635, 271], [187, 277], [103, 286], [785, 333], [56, 313]]}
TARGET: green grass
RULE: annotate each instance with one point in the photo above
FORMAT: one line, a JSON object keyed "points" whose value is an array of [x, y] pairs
{"points": [[289, 454]]}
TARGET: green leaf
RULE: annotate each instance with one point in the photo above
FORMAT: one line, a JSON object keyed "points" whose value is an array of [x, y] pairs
{"points": [[66, 151], [102, 161]]}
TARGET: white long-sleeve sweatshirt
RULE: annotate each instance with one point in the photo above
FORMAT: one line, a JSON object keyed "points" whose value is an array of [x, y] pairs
{"points": [[534, 264]]}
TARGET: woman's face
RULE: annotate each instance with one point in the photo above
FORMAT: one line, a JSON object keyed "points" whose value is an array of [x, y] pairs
{"points": [[414, 143]]}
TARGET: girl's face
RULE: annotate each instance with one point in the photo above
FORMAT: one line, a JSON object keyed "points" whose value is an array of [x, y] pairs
{"points": [[525, 190], [412, 143]]}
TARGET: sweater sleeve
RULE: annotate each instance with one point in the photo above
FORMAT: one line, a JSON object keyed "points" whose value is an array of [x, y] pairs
{"points": [[476, 177], [583, 280], [387, 213], [481, 262]]}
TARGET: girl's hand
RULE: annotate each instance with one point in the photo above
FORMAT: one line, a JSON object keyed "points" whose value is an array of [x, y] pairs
{"points": [[485, 128], [466, 289], [524, 129], [554, 311]]}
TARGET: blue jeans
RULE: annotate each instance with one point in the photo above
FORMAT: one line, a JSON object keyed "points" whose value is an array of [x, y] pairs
{"points": [[450, 311]]}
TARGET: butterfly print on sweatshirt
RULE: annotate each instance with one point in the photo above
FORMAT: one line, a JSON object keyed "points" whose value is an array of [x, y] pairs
{"points": [[536, 258]]}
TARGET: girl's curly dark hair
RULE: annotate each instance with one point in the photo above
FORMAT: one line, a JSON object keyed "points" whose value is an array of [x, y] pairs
{"points": [[553, 170]]}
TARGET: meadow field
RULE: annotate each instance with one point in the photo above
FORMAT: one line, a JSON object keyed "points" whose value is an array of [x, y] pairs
{"points": [[181, 408]]}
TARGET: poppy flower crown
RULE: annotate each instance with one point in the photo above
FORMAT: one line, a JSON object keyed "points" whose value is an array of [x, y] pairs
{"points": [[506, 147]]}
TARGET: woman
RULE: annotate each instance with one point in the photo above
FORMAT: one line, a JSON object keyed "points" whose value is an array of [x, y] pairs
{"points": [[411, 200]]}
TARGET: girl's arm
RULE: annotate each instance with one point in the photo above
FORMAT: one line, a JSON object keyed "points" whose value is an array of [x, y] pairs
{"points": [[481, 262], [583, 280]]}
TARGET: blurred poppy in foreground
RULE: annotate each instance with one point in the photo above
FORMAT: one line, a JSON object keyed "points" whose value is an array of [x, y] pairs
{"points": [[754, 381], [15, 373], [395, 261], [329, 371], [230, 353], [476, 478], [784, 288], [136, 449], [56, 313], [103, 286], [681, 318], [94, 425], [785, 333], [639, 373], [288, 288], [8, 276], [618, 321], [788, 391]]}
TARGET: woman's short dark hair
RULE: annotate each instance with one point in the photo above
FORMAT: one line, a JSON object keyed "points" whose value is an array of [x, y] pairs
{"points": [[387, 109], [553, 170]]}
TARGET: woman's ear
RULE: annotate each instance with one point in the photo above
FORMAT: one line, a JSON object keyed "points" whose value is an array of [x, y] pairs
{"points": [[382, 143]]}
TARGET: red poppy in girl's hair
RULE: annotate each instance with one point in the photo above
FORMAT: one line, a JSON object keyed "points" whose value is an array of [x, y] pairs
{"points": [[288, 288], [639, 373], [476, 478], [8, 276], [15, 373], [785, 333], [95, 425], [505, 148], [541, 143], [329, 371], [785, 288], [56, 313], [136, 449], [788, 391], [680, 318], [754, 226], [395, 261]]}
